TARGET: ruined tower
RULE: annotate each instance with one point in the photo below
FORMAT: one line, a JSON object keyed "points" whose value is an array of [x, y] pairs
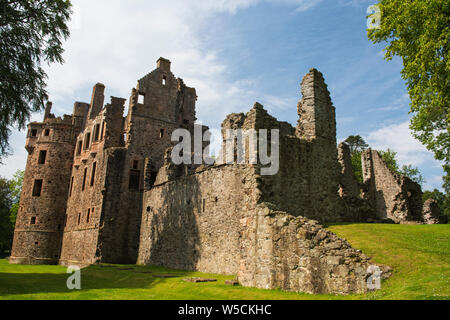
{"points": [[40, 219]]}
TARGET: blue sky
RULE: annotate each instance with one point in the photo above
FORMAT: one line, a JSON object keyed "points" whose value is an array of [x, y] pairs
{"points": [[235, 53]]}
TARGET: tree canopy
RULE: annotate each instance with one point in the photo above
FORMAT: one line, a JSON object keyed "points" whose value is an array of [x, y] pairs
{"points": [[31, 33], [418, 31]]}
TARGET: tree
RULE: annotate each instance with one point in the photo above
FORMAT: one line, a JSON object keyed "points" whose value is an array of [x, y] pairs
{"points": [[15, 187], [418, 31], [31, 33], [413, 173], [356, 144], [6, 231], [390, 157]]}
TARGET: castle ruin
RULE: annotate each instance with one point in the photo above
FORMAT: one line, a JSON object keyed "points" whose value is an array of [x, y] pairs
{"points": [[101, 188]]}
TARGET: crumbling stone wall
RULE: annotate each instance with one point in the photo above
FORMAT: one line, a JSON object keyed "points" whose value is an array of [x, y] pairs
{"points": [[297, 254], [432, 214], [357, 208], [393, 196]]}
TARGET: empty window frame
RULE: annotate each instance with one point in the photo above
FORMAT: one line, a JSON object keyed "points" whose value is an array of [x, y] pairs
{"points": [[33, 220], [42, 156], [83, 186], [87, 141], [141, 98], [97, 132], [47, 132], [134, 180], [37, 188], [135, 164], [88, 215], [71, 187], [161, 133], [33, 133], [164, 80], [103, 130], [94, 168], [79, 218], [79, 147]]}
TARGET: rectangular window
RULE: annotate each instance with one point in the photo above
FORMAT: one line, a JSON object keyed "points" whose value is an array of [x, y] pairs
{"points": [[87, 141], [135, 164], [79, 218], [33, 132], [88, 215], [164, 80], [37, 188], [203, 205], [161, 133], [71, 187], [97, 132], [94, 167], [46, 132], [33, 220], [42, 156], [103, 130], [141, 99], [134, 179], [84, 180], [79, 147]]}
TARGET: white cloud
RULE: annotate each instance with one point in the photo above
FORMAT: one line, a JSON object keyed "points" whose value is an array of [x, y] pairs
{"points": [[398, 138]]}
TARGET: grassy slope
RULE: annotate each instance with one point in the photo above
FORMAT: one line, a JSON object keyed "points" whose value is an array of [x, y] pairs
{"points": [[420, 256]]}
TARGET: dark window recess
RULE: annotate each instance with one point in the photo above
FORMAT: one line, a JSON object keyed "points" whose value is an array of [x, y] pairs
{"points": [[203, 205], [149, 209], [46, 132], [33, 132], [71, 187], [94, 167], [37, 188], [88, 215], [84, 180], [87, 141], [153, 175], [103, 130], [161, 133], [59, 227], [135, 164], [36, 243], [97, 132], [33, 220], [79, 218], [134, 179], [42, 156], [80, 145]]}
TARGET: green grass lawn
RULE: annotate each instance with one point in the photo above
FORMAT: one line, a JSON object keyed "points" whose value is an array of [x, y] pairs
{"points": [[419, 255]]}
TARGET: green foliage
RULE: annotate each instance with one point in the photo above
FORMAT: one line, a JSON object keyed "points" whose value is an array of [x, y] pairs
{"points": [[357, 145], [15, 186], [413, 173], [357, 166], [31, 33], [443, 200], [390, 157], [418, 255], [6, 231], [418, 31]]}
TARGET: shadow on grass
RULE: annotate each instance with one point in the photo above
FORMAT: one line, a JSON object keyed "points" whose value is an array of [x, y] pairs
{"points": [[93, 277]]}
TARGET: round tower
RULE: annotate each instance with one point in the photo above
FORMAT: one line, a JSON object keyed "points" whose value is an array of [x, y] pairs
{"points": [[40, 219]]}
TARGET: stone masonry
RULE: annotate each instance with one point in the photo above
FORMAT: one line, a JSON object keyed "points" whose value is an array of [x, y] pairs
{"points": [[100, 187]]}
